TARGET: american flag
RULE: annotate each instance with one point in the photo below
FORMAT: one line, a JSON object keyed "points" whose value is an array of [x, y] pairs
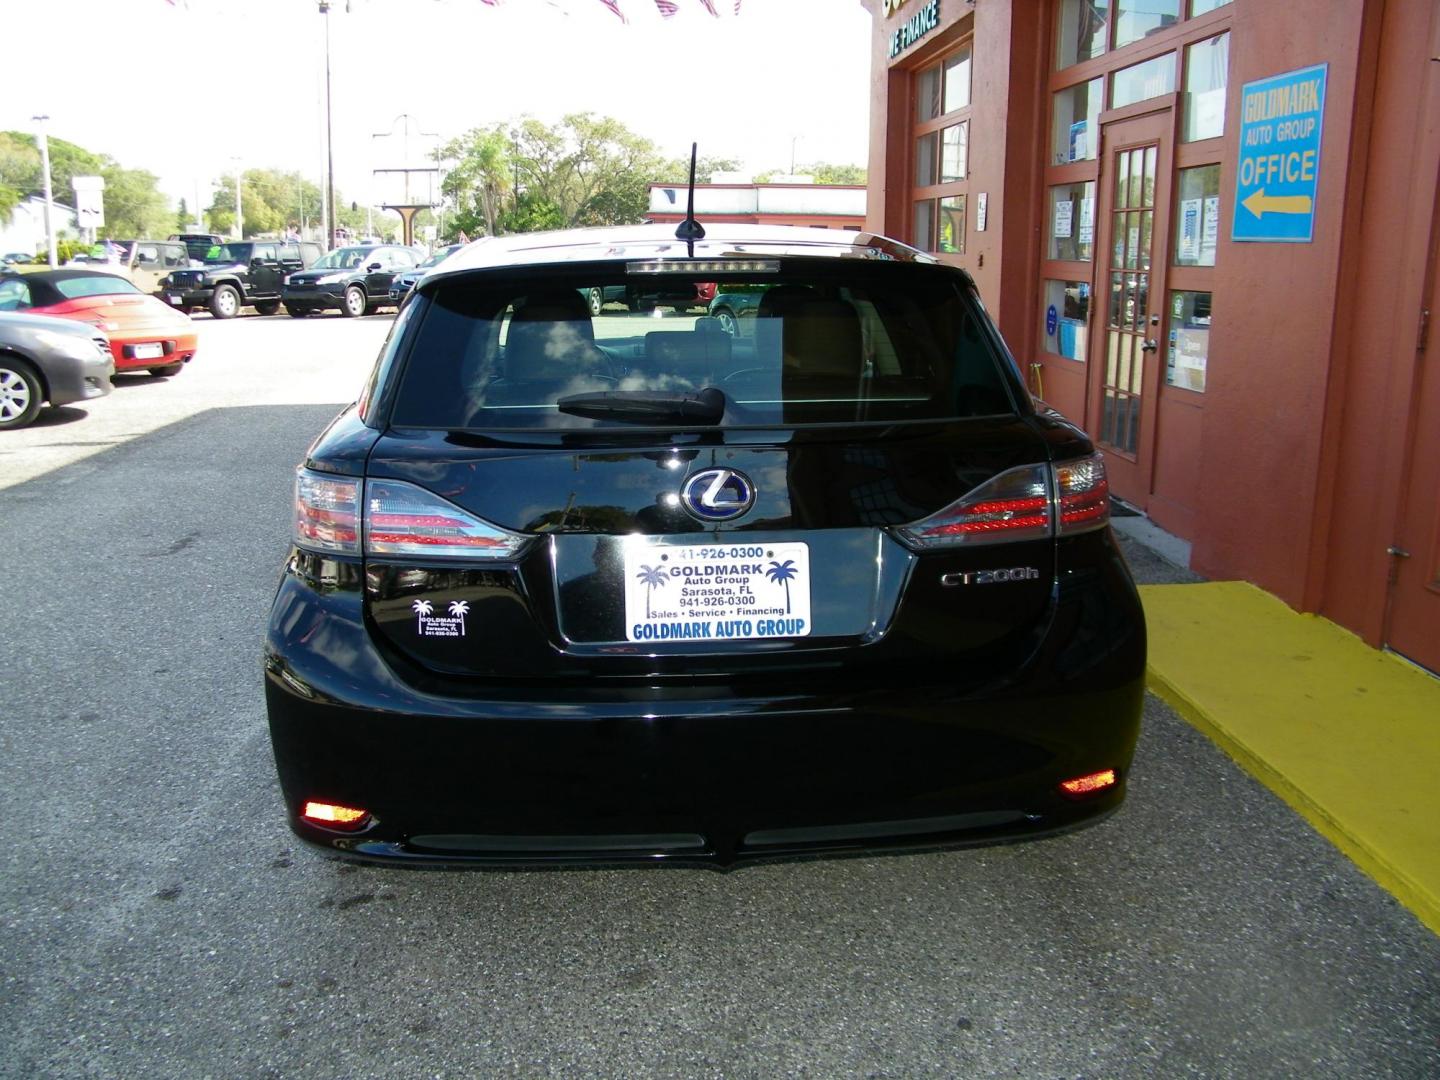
{"points": [[667, 7], [709, 6], [737, 7], [614, 5]]}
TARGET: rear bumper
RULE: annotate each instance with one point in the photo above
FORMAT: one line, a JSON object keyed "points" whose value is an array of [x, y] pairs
{"points": [[174, 349], [692, 775]]}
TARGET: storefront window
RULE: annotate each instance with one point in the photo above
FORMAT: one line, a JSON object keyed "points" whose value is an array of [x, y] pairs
{"points": [[1072, 222], [1135, 19], [1075, 135], [1206, 64], [957, 80], [1080, 30], [1141, 81], [1200, 7], [1189, 340], [1065, 317], [1197, 215], [952, 225], [925, 159], [925, 225], [954, 146], [927, 94]]}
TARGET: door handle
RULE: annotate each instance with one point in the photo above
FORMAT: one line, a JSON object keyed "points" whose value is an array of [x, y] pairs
{"points": [[1149, 346]]}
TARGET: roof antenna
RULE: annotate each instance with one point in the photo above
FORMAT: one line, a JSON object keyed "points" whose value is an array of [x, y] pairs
{"points": [[690, 230]]}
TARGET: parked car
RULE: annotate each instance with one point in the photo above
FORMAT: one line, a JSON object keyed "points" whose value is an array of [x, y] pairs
{"points": [[732, 305], [356, 280], [143, 333], [647, 296], [46, 359], [11, 258], [238, 275], [632, 589], [404, 281], [142, 262], [198, 244]]}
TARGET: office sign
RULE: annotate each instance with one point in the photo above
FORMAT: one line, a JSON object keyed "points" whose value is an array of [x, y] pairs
{"points": [[1279, 164]]}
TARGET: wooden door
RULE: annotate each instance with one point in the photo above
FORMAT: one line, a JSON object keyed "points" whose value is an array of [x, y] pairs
{"points": [[1133, 233]]}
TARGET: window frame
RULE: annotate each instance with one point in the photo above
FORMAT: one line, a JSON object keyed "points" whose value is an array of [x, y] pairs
{"points": [[934, 193]]}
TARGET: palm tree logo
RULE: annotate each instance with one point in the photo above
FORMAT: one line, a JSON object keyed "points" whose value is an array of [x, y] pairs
{"points": [[650, 576], [423, 610], [458, 610], [783, 574]]}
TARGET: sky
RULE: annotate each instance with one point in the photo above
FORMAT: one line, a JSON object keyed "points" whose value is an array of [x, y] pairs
{"points": [[190, 88]]}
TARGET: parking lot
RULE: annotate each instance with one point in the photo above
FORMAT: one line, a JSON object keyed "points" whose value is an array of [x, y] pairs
{"points": [[160, 920]]}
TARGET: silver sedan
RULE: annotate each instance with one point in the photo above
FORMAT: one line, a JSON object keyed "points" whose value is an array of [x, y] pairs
{"points": [[47, 359]]}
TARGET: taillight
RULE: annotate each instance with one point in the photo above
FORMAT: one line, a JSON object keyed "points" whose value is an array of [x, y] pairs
{"points": [[335, 816], [1030, 502], [1082, 495], [327, 510], [1013, 506], [403, 519], [390, 517]]}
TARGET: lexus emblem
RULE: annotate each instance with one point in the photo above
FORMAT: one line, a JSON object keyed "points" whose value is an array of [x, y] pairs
{"points": [[717, 495]]}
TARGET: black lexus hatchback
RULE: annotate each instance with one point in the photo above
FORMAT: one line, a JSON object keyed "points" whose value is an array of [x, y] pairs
{"points": [[633, 588]]}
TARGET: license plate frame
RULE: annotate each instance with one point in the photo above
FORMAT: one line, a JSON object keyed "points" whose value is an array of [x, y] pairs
{"points": [[716, 592], [150, 350]]}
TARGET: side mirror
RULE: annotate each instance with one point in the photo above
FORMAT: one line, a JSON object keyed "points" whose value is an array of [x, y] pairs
{"points": [[373, 266]]}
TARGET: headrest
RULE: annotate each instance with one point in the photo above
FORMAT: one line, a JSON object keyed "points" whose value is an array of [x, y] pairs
{"points": [[550, 336]]}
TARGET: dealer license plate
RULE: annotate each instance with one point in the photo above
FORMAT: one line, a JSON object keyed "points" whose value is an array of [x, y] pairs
{"points": [[175, 300], [716, 592], [149, 352]]}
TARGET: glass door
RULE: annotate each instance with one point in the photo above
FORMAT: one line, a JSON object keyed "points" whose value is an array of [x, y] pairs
{"points": [[1133, 243]]}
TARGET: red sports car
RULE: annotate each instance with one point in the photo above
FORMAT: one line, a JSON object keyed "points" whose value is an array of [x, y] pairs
{"points": [[143, 332]]}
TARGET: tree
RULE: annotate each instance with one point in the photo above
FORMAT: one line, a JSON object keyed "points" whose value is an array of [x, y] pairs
{"points": [[134, 205], [823, 173], [271, 200], [586, 170], [677, 171]]}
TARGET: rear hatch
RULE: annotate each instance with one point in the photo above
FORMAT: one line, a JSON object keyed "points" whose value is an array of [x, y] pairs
{"points": [[648, 497]]}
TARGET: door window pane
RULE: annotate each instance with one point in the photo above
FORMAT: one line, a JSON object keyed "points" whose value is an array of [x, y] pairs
{"points": [[925, 159], [1075, 133], [952, 225], [927, 94], [1206, 64], [954, 152], [925, 225], [1072, 222], [1080, 30], [957, 80], [1135, 19], [1197, 215], [1189, 340], [1065, 318], [1200, 7], [1141, 81]]}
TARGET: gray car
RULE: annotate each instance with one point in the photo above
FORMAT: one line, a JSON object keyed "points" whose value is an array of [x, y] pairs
{"points": [[46, 359]]}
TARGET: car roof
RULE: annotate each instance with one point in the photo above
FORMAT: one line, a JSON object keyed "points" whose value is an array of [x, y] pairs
{"points": [[51, 276], [630, 242]]}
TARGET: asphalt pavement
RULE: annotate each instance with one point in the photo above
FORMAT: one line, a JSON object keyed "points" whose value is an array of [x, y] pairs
{"points": [[158, 919]]}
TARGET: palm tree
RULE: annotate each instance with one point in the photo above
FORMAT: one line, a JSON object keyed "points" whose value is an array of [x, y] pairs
{"points": [[458, 610], [783, 573], [423, 608], [651, 576]]}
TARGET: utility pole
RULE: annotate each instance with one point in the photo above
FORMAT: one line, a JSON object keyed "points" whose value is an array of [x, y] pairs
{"points": [[239, 212], [44, 141], [329, 139]]}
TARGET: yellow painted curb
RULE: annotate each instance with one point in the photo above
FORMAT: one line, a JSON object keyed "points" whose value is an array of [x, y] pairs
{"points": [[1347, 735]]}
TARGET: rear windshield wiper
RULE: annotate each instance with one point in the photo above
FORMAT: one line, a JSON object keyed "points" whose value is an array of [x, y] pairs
{"points": [[703, 407]]}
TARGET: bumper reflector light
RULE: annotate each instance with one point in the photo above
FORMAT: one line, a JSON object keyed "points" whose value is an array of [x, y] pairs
{"points": [[333, 816], [1090, 783]]}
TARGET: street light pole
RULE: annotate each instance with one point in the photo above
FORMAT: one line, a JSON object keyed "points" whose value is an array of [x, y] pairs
{"points": [[329, 139], [44, 141]]}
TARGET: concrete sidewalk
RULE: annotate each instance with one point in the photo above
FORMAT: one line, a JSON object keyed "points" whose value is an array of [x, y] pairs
{"points": [[1347, 735]]}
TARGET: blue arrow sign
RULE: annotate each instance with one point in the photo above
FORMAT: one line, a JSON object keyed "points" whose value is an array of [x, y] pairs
{"points": [[1279, 164]]}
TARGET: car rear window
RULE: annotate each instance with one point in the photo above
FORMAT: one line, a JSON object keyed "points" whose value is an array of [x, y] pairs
{"points": [[105, 285], [792, 341]]}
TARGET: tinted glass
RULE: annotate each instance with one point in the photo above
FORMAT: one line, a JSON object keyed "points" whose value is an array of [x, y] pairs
{"points": [[229, 253], [847, 343], [343, 259]]}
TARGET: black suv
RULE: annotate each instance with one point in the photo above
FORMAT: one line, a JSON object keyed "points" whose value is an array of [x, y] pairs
{"points": [[354, 279], [633, 589], [236, 275]]}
